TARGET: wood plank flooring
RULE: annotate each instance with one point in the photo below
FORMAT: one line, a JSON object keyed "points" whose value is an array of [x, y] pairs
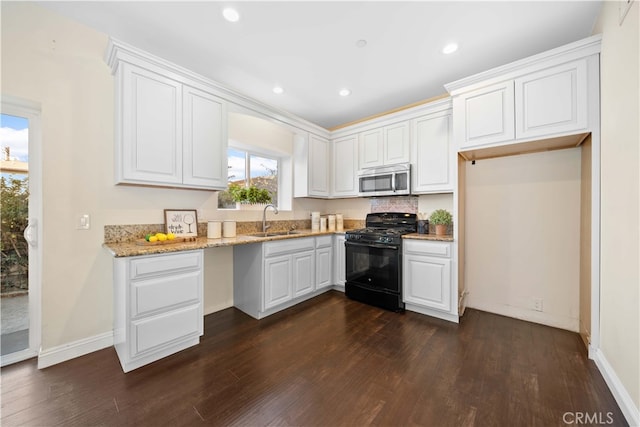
{"points": [[327, 362]]}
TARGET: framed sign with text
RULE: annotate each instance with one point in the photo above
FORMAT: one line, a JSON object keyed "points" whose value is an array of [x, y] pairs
{"points": [[181, 222]]}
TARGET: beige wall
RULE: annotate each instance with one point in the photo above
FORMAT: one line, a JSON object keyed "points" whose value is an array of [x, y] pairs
{"points": [[523, 235], [620, 181]]}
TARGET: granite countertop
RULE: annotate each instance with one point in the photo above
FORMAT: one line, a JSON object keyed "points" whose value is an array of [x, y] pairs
{"points": [[432, 237], [127, 249]]}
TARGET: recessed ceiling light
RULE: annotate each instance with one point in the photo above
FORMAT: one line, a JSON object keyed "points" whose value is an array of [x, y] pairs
{"points": [[344, 92], [278, 90], [231, 15], [450, 48], [361, 43]]}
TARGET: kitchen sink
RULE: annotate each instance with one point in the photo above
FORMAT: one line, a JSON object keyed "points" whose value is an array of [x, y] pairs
{"points": [[275, 233]]}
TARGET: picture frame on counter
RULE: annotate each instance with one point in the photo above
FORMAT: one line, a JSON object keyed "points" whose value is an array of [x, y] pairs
{"points": [[181, 222]]}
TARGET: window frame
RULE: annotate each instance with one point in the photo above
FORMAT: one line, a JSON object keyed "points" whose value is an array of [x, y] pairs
{"points": [[257, 151]]}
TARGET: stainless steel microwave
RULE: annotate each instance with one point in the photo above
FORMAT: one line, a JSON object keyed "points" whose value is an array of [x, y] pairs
{"points": [[393, 180]]}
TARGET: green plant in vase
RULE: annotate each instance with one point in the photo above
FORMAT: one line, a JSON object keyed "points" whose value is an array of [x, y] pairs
{"points": [[441, 218], [249, 195]]}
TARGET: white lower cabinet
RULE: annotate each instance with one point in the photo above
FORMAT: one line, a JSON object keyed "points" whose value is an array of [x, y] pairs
{"points": [[277, 281], [271, 276], [324, 261], [427, 284], [302, 265], [157, 306], [339, 262]]}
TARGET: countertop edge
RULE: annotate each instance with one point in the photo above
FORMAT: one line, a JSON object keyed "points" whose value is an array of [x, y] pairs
{"points": [[131, 249], [431, 237]]}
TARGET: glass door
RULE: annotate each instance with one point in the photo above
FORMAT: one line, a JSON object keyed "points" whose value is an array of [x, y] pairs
{"points": [[20, 211]]}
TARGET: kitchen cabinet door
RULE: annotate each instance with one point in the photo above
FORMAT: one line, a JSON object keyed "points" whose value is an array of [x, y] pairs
{"points": [[339, 262], [205, 140], [396, 143], [278, 281], [371, 148], [157, 302], [552, 101], [303, 273], [345, 167], [324, 267], [149, 139], [432, 154], [484, 116], [318, 166], [427, 281]]}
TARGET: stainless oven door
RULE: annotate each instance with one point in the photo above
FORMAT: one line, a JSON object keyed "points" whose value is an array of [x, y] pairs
{"points": [[373, 266]]}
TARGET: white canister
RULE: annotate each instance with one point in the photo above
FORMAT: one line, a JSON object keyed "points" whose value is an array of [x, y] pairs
{"points": [[214, 229], [331, 222], [229, 229], [339, 222], [323, 223], [315, 221]]}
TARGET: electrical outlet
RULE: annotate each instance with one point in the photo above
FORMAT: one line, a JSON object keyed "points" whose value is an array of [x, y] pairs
{"points": [[537, 304]]}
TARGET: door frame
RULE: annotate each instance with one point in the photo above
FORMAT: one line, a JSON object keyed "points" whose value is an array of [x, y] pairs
{"points": [[31, 111]]}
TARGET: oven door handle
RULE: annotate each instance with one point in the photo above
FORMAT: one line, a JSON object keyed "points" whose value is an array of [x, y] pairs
{"points": [[372, 245]]}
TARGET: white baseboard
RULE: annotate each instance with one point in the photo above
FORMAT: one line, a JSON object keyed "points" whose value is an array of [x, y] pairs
{"points": [[620, 393], [543, 318], [69, 351]]}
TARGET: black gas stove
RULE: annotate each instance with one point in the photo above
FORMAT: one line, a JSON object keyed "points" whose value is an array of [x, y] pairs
{"points": [[384, 228], [374, 259]]}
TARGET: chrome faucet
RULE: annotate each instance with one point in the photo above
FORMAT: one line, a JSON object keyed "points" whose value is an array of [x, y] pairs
{"points": [[264, 217]]}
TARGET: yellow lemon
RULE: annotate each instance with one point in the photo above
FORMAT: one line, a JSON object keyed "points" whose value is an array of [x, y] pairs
{"points": [[153, 239], [171, 236], [161, 237]]}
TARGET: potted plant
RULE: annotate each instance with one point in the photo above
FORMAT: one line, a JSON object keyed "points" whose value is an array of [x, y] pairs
{"points": [[441, 218], [252, 195]]}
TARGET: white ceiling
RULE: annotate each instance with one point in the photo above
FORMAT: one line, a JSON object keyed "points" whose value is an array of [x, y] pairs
{"points": [[309, 48]]}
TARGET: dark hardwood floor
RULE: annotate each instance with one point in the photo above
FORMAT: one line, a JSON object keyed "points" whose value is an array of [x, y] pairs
{"points": [[329, 361]]}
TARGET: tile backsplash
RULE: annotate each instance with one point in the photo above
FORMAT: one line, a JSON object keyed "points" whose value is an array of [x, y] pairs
{"points": [[404, 204]]}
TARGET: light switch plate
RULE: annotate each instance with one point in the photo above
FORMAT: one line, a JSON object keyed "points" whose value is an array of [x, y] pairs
{"points": [[84, 222]]}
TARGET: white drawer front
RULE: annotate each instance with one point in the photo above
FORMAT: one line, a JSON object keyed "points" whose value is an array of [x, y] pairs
{"points": [[288, 246], [324, 241], [427, 248], [156, 331], [158, 293], [159, 264]]}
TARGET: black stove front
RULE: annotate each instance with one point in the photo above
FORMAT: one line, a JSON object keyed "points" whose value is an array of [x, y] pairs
{"points": [[374, 260]]}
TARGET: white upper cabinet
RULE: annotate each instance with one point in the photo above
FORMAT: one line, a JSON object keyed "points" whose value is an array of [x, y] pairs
{"points": [[311, 157], [386, 145], [204, 139], [546, 96], [552, 101], [432, 154], [396, 143], [170, 133], [149, 147], [345, 167], [485, 116], [371, 148], [318, 166]]}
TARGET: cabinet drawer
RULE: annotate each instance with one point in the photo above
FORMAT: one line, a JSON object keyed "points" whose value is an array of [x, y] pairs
{"points": [[159, 293], [324, 241], [162, 264], [427, 248], [288, 246], [151, 333]]}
